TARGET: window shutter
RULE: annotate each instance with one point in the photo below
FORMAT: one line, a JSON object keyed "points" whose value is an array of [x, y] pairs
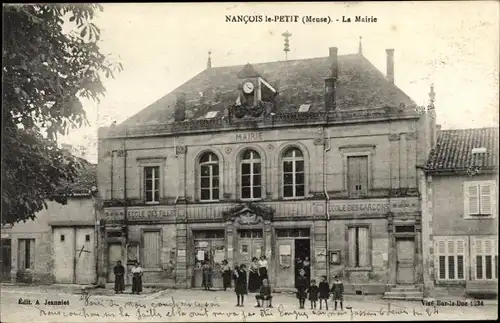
{"points": [[472, 199], [486, 199], [363, 174], [351, 242], [440, 267], [364, 251], [352, 173], [21, 247], [32, 254], [461, 260], [479, 266], [473, 257]]}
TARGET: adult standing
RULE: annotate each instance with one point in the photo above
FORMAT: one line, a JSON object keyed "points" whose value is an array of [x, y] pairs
{"points": [[137, 278], [207, 276], [119, 272], [253, 276], [263, 268], [226, 275]]}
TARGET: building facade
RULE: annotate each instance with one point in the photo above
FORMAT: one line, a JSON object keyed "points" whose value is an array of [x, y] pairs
{"points": [[59, 246], [460, 194], [296, 159]]}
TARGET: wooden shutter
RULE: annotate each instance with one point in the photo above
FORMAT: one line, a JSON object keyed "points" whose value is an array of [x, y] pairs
{"points": [[352, 174], [351, 242], [478, 251], [21, 253], [363, 174], [472, 199], [440, 268], [486, 199], [32, 254], [364, 247], [151, 249], [460, 265]]}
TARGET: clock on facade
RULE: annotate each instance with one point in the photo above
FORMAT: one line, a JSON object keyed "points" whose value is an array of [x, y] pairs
{"points": [[248, 87]]}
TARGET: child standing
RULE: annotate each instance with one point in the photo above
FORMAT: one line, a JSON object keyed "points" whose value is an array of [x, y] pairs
{"points": [[302, 285], [240, 284], [324, 292], [338, 292], [264, 294], [313, 293]]}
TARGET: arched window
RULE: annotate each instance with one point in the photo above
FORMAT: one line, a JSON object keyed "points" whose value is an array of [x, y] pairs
{"points": [[251, 175], [209, 177], [293, 173]]}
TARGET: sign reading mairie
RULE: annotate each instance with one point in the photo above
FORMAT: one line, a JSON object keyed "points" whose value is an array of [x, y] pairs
{"points": [[250, 136]]}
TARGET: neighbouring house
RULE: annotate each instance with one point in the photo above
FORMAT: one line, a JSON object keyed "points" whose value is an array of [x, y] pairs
{"points": [[59, 245], [311, 159], [460, 212]]}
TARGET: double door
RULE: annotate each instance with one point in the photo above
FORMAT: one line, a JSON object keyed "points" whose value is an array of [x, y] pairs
{"points": [[212, 252], [250, 245]]}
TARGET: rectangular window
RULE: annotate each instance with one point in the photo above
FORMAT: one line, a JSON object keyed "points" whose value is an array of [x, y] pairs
{"points": [[87, 237], [450, 260], [151, 249], [208, 234], [486, 258], [152, 184], [358, 247], [251, 233], [479, 198], [357, 175], [62, 237], [26, 253]]}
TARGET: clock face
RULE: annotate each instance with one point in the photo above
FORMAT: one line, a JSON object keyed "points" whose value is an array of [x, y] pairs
{"points": [[248, 87]]}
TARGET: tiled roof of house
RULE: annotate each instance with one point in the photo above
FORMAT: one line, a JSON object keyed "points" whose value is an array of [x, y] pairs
{"points": [[453, 149], [360, 85], [85, 179]]}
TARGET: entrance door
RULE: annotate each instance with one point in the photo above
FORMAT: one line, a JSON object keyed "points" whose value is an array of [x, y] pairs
{"points": [[114, 254], [209, 247], [6, 259], [405, 249], [250, 245], [85, 257], [286, 263], [303, 254]]}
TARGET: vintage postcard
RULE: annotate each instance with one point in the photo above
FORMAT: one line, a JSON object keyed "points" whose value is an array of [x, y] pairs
{"points": [[244, 162]]}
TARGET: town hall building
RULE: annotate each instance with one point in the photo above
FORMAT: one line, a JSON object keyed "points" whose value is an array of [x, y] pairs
{"points": [[311, 159]]}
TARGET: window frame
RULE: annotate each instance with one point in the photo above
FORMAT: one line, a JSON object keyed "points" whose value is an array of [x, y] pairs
{"points": [[32, 253], [465, 195], [199, 176], [494, 253], [151, 162], [241, 161], [455, 255], [294, 173], [347, 254], [357, 151]]}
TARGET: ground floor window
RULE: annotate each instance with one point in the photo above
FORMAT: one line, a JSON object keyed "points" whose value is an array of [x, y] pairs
{"points": [[450, 259], [485, 257], [358, 246], [26, 253]]}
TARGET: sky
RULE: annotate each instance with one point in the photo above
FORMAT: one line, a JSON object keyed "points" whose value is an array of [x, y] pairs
{"points": [[453, 45]]}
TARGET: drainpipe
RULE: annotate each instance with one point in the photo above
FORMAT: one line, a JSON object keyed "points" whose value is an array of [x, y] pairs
{"points": [[93, 191], [327, 198], [125, 217]]}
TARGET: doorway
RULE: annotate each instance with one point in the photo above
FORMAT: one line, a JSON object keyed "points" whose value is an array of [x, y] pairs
{"points": [[209, 247], [405, 253], [114, 254], [303, 258], [6, 259]]}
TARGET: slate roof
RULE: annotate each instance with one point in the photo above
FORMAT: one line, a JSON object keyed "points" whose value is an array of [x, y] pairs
{"points": [[453, 149], [360, 86], [86, 178]]}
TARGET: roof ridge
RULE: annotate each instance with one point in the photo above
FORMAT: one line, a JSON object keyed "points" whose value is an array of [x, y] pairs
{"points": [[466, 129], [286, 61]]}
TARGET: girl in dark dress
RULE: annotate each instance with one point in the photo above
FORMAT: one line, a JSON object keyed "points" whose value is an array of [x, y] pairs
{"points": [[240, 284], [207, 276], [226, 275], [253, 276], [302, 285], [313, 291], [338, 292], [119, 272], [324, 292], [137, 279]]}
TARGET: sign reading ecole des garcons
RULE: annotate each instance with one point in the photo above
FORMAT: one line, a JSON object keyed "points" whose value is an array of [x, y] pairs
{"points": [[373, 206]]}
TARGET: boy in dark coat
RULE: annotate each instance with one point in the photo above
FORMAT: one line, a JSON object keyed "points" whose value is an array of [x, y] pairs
{"points": [[313, 291], [264, 294], [324, 292], [338, 292], [302, 285], [240, 284]]}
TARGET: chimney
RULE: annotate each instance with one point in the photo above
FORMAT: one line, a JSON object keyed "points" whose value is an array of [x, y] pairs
{"points": [[331, 80], [209, 61], [180, 107], [390, 65]]}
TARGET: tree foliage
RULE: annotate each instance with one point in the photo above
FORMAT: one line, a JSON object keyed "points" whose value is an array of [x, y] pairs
{"points": [[51, 61]]}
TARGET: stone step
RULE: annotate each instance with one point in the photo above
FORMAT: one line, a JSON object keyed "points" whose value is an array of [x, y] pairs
{"points": [[407, 295]]}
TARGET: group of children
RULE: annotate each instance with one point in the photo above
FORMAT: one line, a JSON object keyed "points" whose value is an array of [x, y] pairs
{"points": [[304, 289], [321, 292]]}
